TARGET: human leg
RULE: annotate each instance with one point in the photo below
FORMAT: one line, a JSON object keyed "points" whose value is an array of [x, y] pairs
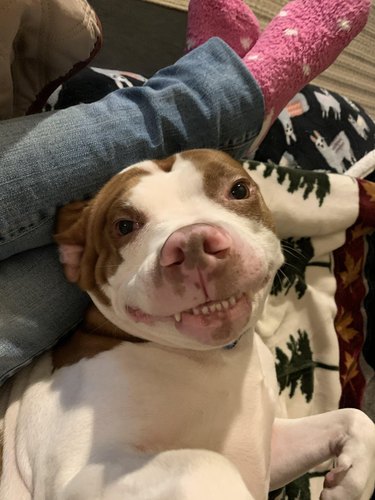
{"points": [[59, 157], [37, 306], [231, 20], [299, 43]]}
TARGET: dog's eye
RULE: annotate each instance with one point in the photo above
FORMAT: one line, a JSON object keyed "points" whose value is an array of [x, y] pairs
{"points": [[125, 227], [240, 191]]}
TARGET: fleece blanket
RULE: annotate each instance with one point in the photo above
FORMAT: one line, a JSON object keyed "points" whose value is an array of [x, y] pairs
{"points": [[319, 319]]}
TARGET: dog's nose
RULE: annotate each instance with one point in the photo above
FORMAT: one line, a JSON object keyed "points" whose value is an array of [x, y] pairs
{"points": [[191, 245]]}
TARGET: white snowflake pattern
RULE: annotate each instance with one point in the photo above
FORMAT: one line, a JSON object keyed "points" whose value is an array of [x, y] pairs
{"points": [[246, 42], [291, 32], [306, 68], [344, 24], [252, 57]]}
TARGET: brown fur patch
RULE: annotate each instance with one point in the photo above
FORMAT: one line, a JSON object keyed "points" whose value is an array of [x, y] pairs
{"points": [[94, 336], [167, 164], [92, 226], [220, 172]]}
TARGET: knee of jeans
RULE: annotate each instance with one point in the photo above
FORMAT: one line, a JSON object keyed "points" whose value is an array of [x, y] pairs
{"points": [[26, 237], [238, 147]]}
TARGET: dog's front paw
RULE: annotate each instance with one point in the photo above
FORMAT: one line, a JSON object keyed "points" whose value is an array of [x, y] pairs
{"points": [[353, 474]]}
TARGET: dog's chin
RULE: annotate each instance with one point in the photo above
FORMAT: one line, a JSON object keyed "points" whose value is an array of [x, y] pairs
{"points": [[211, 325]]}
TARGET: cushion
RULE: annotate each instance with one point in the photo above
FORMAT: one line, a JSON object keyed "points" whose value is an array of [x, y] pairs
{"points": [[41, 45]]}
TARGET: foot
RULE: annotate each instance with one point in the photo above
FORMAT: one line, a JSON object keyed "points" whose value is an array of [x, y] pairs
{"points": [[231, 20], [300, 42]]}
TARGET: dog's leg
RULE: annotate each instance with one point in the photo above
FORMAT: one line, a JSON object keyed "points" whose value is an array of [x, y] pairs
{"points": [[347, 436]]}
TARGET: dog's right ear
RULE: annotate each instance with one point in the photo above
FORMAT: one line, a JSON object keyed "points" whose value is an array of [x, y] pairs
{"points": [[71, 237]]}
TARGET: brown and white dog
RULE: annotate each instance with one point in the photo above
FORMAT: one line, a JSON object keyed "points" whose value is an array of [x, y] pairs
{"points": [[166, 392]]}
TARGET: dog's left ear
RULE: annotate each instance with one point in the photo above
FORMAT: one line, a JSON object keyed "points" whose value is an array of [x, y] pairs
{"points": [[71, 237]]}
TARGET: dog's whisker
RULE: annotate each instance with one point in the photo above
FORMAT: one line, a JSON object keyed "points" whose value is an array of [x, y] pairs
{"points": [[291, 266], [293, 253], [284, 277], [292, 248]]}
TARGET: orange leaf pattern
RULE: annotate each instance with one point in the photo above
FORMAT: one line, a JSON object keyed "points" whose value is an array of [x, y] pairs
{"points": [[370, 190], [353, 270], [344, 321], [352, 275], [352, 371]]}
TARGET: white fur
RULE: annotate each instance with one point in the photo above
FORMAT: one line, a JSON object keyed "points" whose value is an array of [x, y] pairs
{"points": [[167, 419], [187, 204]]}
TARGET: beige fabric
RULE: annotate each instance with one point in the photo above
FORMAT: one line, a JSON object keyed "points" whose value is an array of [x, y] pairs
{"points": [[40, 42], [353, 74]]}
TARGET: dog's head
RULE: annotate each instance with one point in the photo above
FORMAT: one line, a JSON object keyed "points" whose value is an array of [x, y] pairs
{"points": [[181, 251]]}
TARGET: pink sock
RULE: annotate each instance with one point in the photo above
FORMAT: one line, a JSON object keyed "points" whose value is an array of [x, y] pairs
{"points": [[231, 20], [301, 42]]}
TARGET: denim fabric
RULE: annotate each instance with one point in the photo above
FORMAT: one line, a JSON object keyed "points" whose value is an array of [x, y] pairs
{"points": [[207, 99]]}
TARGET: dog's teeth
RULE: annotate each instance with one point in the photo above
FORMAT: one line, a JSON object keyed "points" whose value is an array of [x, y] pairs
{"points": [[219, 306], [232, 301], [196, 311], [212, 307], [177, 317], [205, 310], [225, 304]]}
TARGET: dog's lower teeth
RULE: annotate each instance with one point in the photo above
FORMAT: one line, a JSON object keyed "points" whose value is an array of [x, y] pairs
{"points": [[225, 304], [211, 308]]}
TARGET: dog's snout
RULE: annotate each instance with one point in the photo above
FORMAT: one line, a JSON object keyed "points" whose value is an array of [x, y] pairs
{"points": [[195, 242]]}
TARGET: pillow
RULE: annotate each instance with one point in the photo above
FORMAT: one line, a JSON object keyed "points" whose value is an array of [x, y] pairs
{"points": [[42, 44]]}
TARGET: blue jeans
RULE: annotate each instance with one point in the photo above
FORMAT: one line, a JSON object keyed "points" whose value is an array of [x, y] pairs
{"points": [[207, 99]]}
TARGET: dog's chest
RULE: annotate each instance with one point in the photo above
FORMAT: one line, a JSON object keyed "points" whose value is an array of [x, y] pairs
{"points": [[158, 398], [138, 398]]}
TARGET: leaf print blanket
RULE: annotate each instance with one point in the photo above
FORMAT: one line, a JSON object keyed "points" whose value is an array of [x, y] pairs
{"points": [[319, 319]]}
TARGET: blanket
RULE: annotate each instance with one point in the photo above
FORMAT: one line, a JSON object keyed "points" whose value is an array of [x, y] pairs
{"points": [[319, 319]]}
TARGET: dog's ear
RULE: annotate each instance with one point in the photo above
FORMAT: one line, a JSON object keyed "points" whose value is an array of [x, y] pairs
{"points": [[71, 237]]}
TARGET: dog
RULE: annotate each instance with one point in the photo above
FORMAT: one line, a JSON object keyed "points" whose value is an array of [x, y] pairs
{"points": [[166, 392]]}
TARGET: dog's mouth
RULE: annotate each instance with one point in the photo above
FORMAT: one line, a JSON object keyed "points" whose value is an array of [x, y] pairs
{"points": [[213, 323]]}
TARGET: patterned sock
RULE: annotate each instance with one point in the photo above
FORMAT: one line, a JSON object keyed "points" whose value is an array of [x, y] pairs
{"points": [[231, 20], [299, 43]]}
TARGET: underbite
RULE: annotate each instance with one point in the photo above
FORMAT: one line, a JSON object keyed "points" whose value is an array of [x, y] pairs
{"points": [[206, 310]]}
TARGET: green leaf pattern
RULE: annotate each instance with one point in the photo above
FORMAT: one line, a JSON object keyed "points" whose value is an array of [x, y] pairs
{"points": [[310, 181]]}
